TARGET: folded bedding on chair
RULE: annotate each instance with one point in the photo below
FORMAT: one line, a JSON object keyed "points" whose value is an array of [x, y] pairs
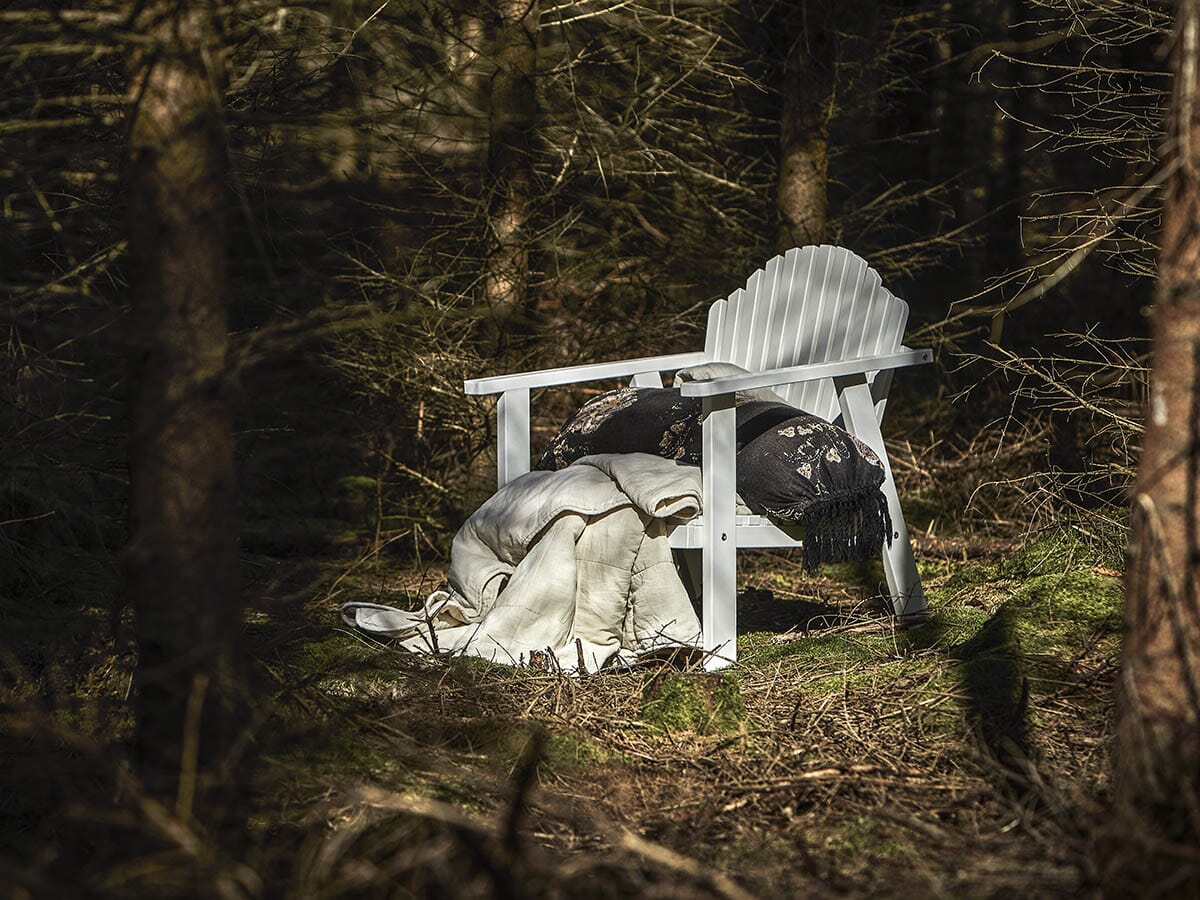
{"points": [[573, 565], [791, 465]]}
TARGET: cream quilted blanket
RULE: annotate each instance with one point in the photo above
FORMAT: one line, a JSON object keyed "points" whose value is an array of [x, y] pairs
{"points": [[573, 565]]}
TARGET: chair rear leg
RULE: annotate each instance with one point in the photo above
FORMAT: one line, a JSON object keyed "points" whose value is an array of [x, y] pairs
{"points": [[899, 564]]}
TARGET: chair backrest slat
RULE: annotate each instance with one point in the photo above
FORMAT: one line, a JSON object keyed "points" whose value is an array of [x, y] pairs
{"points": [[812, 304]]}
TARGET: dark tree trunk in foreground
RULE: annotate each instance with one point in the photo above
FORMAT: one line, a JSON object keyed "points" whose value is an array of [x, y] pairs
{"points": [[514, 112], [1158, 735], [181, 561], [806, 109]]}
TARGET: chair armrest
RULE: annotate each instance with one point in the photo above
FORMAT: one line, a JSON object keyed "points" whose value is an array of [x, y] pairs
{"points": [[498, 384], [715, 387]]}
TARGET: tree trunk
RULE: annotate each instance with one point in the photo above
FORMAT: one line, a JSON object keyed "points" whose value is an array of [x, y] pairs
{"points": [[181, 560], [1158, 731], [1005, 182], [807, 106], [348, 137], [514, 112]]}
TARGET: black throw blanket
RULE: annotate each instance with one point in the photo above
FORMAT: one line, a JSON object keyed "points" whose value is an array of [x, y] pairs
{"points": [[791, 465]]}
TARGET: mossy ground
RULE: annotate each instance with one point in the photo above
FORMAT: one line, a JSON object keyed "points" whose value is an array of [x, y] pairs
{"points": [[839, 749], [701, 703], [840, 754]]}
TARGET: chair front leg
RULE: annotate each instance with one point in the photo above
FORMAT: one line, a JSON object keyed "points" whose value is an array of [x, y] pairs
{"points": [[512, 435], [899, 564], [718, 605]]}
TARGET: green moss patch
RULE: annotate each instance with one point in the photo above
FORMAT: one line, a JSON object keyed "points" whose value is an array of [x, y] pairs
{"points": [[331, 652], [704, 704], [1064, 549], [970, 575], [342, 664], [1027, 649], [1056, 613], [572, 753]]}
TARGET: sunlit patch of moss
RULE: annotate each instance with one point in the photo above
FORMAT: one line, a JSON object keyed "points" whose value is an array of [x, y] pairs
{"points": [[831, 647], [1055, 551], [329, 651], [863, 649], [1025, 649], [704, 704], [854, 677], [570, 753], [753, 641], [1056, 613], [1063, 549], [475, 667], [969, 575], [937, 567]]}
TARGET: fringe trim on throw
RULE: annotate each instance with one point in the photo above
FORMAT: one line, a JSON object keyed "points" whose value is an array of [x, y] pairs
{"points": [[850, 526]]}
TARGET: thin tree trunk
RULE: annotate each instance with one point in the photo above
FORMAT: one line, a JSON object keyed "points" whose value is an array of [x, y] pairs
{"points": [[1158, 733], [514, 113], [181, 560], [807, 106], [349, 137], [1005, 192]]}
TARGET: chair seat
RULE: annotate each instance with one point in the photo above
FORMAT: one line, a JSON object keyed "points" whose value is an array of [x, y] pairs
{"points": [[752, 531]]}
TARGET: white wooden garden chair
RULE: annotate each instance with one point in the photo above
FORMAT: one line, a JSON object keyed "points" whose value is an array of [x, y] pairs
{"points": [[817, 326]]}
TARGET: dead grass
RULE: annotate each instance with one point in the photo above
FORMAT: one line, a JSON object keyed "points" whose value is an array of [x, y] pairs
{"points": [[964, 758], [968, 757]]}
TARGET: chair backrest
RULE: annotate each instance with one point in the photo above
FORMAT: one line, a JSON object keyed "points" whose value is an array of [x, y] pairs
{"points": [[812, 304]]}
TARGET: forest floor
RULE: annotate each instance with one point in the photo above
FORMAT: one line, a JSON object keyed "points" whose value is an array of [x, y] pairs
{"points": [[840, 756], [965, 757]]}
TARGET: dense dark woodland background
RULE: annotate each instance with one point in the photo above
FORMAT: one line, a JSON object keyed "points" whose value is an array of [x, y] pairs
{"points": [[970, 148], [978, 154]]}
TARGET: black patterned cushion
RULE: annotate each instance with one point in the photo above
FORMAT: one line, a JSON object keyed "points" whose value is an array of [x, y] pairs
{"points": [[809, 471], [790, 465], [651, 420]]}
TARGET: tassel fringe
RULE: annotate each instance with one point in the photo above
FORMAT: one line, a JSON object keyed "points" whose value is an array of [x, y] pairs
{"points": [[848, 527]]}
